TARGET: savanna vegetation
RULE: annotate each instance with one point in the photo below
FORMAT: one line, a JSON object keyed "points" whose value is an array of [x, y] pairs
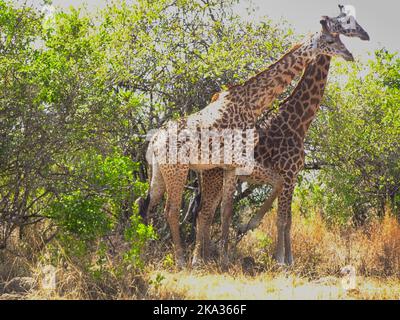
{"points": [[80, 90]]}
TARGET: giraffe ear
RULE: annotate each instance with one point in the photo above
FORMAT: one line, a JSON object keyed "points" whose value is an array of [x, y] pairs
{"points": [[325, 23]]}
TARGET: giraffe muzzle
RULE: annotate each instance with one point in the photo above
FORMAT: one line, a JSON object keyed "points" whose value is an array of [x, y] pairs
{"points": [[365, 37], [348, 57]]}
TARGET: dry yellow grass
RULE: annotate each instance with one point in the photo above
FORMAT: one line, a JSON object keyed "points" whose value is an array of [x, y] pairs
{"points": [[320, 253], [266, 286], [319, 250]]}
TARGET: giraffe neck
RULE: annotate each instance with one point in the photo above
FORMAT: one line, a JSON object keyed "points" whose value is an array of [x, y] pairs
{"points": [[240, 106], [300, 108], [264, 88]]}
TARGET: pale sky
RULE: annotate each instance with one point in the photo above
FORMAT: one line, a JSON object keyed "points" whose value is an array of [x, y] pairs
{"points": [[379, 18]]}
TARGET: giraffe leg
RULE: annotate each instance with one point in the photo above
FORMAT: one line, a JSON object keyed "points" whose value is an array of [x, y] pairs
{"points": [[228, 191], [211, 186], [264, 175], [283, 224], [154, 195], [175, 178], [288, 244], [216, 200], [267, 205], [157, 190]]}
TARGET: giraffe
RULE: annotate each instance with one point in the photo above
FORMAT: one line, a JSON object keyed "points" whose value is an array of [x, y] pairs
{"points": [[237, 108], [280, 153]]}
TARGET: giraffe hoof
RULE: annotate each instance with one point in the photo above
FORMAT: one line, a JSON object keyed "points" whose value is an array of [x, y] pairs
{"points": [[248, 265], [242, 229], [289, 261], [224, 263], [197, 262], [180, 263], [280, 260]]}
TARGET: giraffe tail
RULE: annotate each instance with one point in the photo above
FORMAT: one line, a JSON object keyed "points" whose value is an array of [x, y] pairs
{"points": [[143, 206]]}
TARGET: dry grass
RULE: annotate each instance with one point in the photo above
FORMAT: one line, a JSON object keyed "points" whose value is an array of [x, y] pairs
{"points": [[319, 250], [320, 253], [266, 286]]}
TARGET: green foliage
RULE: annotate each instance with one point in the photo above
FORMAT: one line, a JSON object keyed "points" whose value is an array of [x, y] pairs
{"points": [[265, 256], [137, 234], [79, 91], [168, 261], [357, 138], [179, 53], [157, 282], [94, 207], [80, 215]]}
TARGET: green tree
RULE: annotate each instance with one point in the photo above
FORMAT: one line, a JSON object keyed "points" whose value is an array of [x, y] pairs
{"points": [[79, 92]]}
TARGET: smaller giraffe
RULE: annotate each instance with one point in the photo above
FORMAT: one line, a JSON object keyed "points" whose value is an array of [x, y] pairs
{"points": [[280, 152]]}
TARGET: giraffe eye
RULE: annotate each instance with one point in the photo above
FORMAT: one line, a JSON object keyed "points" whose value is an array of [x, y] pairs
{"points": [[330, 41]]}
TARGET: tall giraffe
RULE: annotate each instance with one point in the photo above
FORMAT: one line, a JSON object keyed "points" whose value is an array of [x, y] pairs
{"points": [[280, 153], [237, 108]]}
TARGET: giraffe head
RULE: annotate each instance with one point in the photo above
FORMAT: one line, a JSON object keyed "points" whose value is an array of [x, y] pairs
{"points": [[345, 24], [330, 44]]}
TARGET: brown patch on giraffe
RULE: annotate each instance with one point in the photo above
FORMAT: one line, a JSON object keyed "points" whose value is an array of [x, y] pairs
{"points": [[308, 82], [297, 68], [314, 90], [215, 97], [308, 115], [290, 108], [262, 149], [291, 61], [318, 76], [280, 81], [289, 142], [298, 108], [285, 116], [305, 96], [289, 74], [296, 123], [284, 127]]}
